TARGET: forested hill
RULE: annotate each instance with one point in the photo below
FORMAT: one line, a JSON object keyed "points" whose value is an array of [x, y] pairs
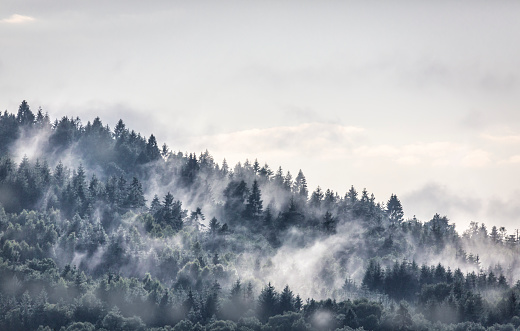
{"points": [[103, 228]]}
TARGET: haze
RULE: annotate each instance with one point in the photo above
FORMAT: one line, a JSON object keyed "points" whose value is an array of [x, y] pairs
{"points": [[420, 99]]}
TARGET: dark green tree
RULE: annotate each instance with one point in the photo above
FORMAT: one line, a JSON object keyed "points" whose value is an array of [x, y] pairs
{"points": [[25, 116], [267, 303], [254, 203], [394, 210]]}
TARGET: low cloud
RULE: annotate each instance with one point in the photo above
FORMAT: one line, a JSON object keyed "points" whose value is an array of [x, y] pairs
{"points": [[514, 159], [436, 198], [502, 118], [509, 139], [318, 139], [476, 158], [17, 19], [506, 211], [435, 154], [461, 208]]}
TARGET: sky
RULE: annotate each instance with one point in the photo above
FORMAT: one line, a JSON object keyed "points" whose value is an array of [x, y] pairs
{"points": [[416, 98]]}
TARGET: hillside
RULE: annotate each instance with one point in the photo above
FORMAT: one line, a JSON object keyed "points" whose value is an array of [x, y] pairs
{"points": [[103, 228]]}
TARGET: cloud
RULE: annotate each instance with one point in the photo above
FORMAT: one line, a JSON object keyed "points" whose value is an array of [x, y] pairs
{"points": [[441, 153], [502, 117], [318, 139], [515, 159], [17, 19], [509, 139], [476, 158], [436, 198], [462, 208], [505, 211]]}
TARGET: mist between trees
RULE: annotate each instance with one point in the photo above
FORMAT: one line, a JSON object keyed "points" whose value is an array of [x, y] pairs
{"points": [[101, 228]]}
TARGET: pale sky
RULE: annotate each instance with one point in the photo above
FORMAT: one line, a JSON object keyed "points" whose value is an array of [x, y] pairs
{"points": [[417, 98]]}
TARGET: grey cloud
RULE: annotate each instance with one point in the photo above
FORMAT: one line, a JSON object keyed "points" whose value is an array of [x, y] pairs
{"points": [[57, 6], [301, 114], [505, 212], [325, 140], [144, 121], [460, 209], [480, 119], [466, 77], [435, 198]]}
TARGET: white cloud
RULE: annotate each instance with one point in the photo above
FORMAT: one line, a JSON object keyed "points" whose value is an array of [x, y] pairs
{"points": [[319, 139], [17, 19], [409, 160], [436, 198], [476, 158], [509, 139], [515, 159], [437, 154]]}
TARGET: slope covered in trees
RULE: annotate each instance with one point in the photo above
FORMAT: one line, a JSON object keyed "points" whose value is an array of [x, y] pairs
{"points": [[101, 228]]}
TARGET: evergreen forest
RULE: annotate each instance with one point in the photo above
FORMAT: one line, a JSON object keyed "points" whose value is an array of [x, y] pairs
{"points": [[105, 229]]}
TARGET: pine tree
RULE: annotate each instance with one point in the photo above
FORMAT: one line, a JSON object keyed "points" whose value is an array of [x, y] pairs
{"points": [[267, 302], [152, 149], [224, 170], [329, 223], [288, 182], [214, 226], [316, 198], [394, 209], [300, 186], [254, 202], [286, 300], [25, 115], [256, 167], [120, 130], [155, 206], [135, 198]]}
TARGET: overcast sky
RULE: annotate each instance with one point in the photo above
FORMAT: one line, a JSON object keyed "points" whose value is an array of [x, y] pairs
{"points": [[417, 98]]}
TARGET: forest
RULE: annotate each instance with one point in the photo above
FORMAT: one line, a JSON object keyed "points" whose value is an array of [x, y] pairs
{"points": [[104, 229]]}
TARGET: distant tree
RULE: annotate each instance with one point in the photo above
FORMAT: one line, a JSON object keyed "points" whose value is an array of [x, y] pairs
{"points": [[278, 177], [265, 173], [300, 186], [267, 303], [165, 150], [135, 197], [254, 202], [403, 320], [235, 195], [9, 131], [155, 205], [120, 130], [329, 199], [286, 303], [152, 149], [171, 212], [256, 167], [316, 198], [374, 277], [214, 226], [225, 168], [189, 170], [288, 181], [394, 209], [351, 196], [329, 223], [291, 217], [25, 115], [42, 121]]}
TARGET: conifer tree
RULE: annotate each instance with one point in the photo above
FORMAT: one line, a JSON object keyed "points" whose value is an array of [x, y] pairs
{"points": [[25, 115], [394, 209], [254, 202]]}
